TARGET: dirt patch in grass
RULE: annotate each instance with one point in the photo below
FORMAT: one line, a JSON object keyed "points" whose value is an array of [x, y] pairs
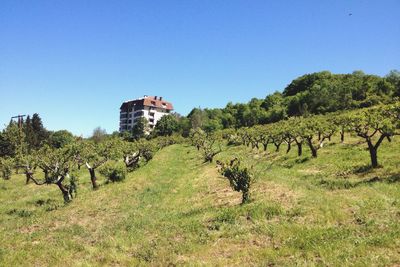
{"points": [[310, 171], [218, 189], [275, 192]]}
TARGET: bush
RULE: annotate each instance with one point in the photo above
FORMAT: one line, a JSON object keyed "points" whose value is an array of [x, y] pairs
{"points": [[6, 165], [114, 171], [239, 178]]}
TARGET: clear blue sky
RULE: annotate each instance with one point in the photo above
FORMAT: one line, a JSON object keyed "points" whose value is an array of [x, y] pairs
{"points": [[74, 62]]}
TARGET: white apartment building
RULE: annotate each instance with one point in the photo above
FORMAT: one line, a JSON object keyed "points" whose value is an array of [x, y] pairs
{"points": [[150, 107]]}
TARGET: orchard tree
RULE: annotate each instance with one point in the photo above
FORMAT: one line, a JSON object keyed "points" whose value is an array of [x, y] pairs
{"points": [[275, 133], [294, 127], [264, 136], [211, 147], [95, 155], [240, 178], [287, 133], [58, 164], [311, 131], [342, 121], [197, 137], [131, 157], [375, 125]]}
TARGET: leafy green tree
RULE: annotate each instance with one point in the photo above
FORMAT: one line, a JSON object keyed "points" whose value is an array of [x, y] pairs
{"points": [[98, 134], [30, 136], [166, 126], [393, 77], [313, 132], [211, 147], [96, 154], [60, 139], [7, 148], [197, 118], [114, 171], [140, 129], [6, 165], [40, 133], [58, 165], [375, 125]]}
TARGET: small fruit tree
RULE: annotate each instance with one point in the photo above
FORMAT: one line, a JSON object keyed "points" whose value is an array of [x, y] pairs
{"points": [[240, 178]]}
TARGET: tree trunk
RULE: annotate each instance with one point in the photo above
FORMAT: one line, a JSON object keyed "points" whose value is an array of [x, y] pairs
{"points": [[65, 192], [277, 147], [373, 152], [289, 146], [341, 136], [46, 174], [299, 149], [245, 196], [28, 177], [265, 146], [93, 178], [312, 148]]}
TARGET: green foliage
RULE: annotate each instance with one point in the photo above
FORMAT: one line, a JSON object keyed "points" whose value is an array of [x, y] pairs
{"points": [[99, 134], [166, 126], [6, 165], [240, 178], [60, 139], [316, 93], [35, 132], [140, 129], [114, 171], [380, 122]]}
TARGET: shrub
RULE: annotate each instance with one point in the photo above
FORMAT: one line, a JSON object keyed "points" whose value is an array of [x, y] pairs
{"points": [[240, 178], [114, 171], [6, 165]]}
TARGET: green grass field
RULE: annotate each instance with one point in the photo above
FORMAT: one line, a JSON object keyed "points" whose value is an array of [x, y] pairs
{"points": [[333, 210]]}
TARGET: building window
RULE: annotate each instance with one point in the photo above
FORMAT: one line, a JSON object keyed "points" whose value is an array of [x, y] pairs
{"points": [[153, 103], [151, 114], [139, 113], [129, 121], [151, 120]]}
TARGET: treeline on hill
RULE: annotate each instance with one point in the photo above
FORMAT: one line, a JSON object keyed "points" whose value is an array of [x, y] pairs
{"points": [[316, 93]]}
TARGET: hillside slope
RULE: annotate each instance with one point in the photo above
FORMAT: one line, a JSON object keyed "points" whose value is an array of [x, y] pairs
{"points": [[332, 210]]}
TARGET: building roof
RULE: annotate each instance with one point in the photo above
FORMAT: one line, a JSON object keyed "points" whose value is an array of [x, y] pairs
{"points": [[149, 101]]}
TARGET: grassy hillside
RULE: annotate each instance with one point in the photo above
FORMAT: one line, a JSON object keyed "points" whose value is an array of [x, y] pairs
{"points": [[332, 210]]}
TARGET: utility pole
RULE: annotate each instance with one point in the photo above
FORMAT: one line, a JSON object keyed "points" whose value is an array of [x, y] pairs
{"points": [[20, 120]]}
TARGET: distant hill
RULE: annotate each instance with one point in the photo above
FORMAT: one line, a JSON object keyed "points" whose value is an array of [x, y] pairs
{"points": [[315, 93]]}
